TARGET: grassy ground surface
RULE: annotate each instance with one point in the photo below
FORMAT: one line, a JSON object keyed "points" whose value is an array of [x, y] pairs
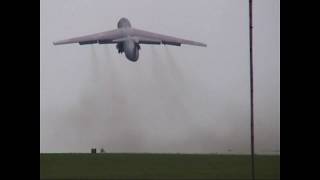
{"points": [[156, 166]]}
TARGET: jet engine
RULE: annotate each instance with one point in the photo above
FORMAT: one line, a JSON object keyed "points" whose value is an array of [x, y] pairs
{"points": [[138, 45], [120, 48]]}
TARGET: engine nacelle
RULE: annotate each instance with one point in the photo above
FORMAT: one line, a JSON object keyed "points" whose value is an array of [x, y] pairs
{"points": [[120, 48]]}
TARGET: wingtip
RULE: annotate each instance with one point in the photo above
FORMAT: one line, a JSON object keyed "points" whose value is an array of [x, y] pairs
{"points": [[202, 44], [58, 42]]}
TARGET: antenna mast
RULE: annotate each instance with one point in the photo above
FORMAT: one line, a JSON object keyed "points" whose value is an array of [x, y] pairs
{"points": [[251, 93]]}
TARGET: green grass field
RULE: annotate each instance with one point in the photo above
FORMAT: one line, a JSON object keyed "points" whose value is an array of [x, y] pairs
{"points": [[156, 166]]}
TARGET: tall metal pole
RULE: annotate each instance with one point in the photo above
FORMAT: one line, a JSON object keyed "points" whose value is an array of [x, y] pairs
{"points": [[251, 93]]}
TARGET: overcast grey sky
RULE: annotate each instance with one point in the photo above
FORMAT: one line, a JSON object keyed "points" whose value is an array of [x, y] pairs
{"points": [[174, 99]]}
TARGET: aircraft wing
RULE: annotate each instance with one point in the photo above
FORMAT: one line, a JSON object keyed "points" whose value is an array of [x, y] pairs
{"points": [[106, 37], [146, 37], [118, 35]]}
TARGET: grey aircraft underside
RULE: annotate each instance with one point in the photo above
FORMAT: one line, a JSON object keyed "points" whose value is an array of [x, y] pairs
{"points": [[128, 39]]}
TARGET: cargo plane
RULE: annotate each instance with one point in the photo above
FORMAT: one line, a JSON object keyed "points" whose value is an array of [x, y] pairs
{"points": [[128, 39]]}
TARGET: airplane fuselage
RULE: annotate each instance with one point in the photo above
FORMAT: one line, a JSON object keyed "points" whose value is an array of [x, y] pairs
{"points": [[129, 46]]}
